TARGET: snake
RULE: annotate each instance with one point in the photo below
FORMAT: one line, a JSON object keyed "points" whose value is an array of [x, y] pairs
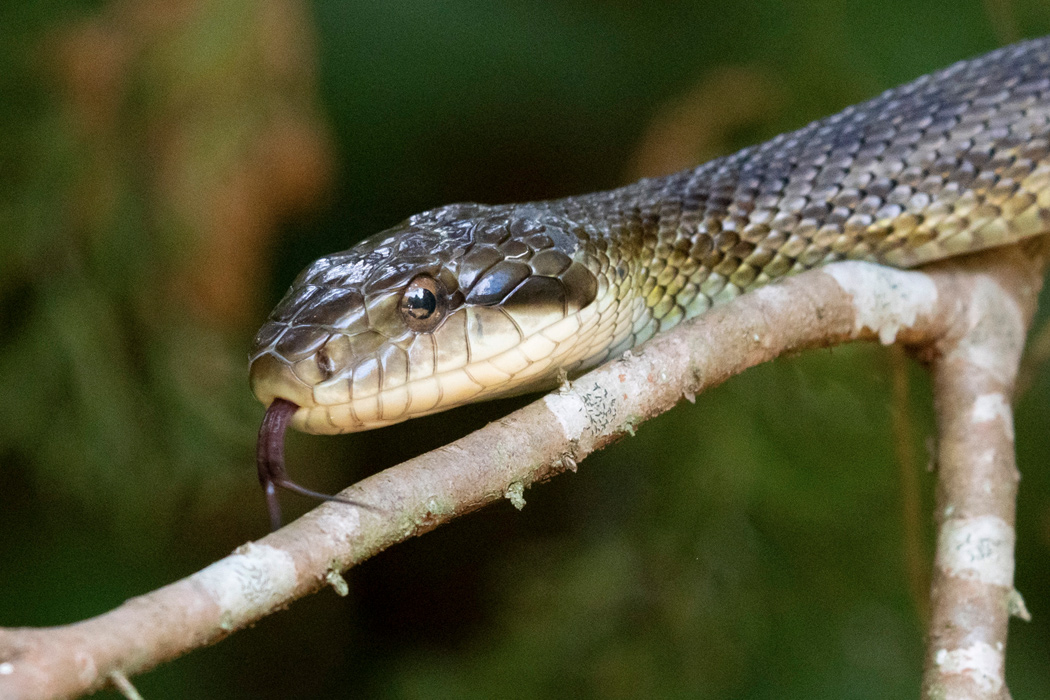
{"points": [[469, 302]]}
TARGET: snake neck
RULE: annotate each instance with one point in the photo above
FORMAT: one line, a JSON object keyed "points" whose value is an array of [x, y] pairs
{"points": [[954, 162]]}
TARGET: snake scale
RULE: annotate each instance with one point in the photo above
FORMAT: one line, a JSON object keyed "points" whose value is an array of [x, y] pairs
{"points": [[469, 301]]}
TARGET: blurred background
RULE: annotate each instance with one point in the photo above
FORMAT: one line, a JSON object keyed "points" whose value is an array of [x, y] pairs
{"points": [[167, 169]]}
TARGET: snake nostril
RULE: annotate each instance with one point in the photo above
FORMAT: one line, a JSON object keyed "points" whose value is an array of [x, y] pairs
{"points": [[325, 364]]}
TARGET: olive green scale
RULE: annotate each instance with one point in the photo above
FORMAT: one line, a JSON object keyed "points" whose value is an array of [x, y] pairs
{"points": [[953, 162]]}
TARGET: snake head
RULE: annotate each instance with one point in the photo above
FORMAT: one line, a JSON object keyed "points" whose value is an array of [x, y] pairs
{"points": [[459, 304]]}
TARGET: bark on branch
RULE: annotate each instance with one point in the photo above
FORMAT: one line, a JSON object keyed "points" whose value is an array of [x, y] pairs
{"points": [[937, 311]]}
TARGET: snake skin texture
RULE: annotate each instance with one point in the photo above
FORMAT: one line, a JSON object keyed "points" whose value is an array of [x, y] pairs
{"points": [[956, 161]]}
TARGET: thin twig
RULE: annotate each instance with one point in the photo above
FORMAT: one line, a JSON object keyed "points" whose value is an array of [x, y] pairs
{"points": [[1035, 358], [124, 686], [915, 559]]}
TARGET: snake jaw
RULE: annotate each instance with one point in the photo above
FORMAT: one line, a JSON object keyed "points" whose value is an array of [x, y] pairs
{"points": [[271, 378]]}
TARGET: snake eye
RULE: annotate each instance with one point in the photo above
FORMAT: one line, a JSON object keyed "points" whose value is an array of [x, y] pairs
{"points": [[424, 304]]}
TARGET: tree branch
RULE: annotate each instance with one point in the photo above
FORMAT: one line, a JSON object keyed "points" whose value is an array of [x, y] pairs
{"points": [[824, 307]]}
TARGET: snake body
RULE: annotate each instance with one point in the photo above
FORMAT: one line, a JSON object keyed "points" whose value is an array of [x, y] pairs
{"points": [[470, 301]]}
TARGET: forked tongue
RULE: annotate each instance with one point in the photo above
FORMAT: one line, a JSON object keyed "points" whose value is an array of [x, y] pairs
{"points": [[269, 458]]}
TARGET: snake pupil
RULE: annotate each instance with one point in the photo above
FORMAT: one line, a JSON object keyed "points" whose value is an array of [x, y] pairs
{"points": [[423, 303]]}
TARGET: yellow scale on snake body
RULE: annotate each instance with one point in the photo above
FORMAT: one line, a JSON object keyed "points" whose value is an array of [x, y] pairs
{"points": [[469, 301]]}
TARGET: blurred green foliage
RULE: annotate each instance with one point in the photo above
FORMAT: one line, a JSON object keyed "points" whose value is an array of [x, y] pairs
{"points": [[748, 547]]}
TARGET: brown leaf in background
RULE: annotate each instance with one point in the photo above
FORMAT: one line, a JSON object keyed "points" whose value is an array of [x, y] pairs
{"points": [[210, 108], [698, 125], [91, 62], [294, 161]]}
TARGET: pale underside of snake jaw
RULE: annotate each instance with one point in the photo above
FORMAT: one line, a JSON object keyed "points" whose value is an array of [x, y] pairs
{"points": [[468, 302]]}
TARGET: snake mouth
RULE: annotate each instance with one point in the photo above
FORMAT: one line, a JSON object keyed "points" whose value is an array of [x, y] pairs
{"points": [[272, 378], [269, 459]]}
